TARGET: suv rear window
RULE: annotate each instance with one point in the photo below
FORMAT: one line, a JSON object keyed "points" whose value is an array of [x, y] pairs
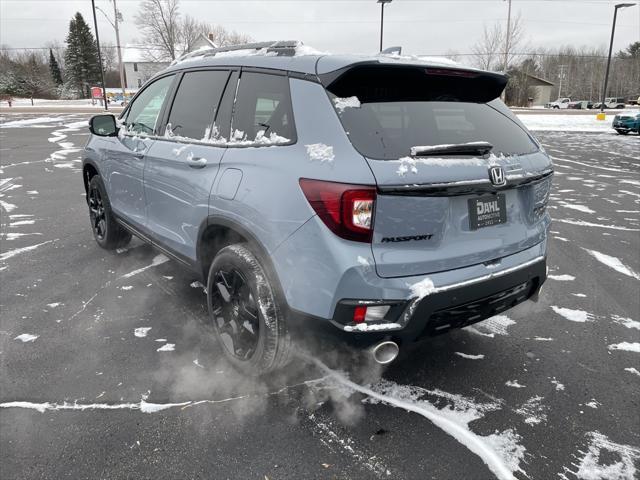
{"points": [[396, 111], [263, 105]]}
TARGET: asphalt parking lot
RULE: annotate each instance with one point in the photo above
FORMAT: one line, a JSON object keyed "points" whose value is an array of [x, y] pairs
{"points": [[108, 371]]}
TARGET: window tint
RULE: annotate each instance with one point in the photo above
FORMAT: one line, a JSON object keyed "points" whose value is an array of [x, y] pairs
{"points": [[145, 109], [389, 130], [196, 103], [263, 108]]}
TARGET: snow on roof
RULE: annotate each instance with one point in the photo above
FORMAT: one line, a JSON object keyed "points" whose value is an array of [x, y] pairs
{"points": [[132, 53]]}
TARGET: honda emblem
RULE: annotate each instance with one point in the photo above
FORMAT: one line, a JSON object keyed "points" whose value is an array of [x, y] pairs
{"points": [[496, 174]]}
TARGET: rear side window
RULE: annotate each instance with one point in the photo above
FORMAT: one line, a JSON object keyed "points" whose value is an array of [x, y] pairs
{"points": [[196, 103], [262, 112], [395, 111], [143, 112]]}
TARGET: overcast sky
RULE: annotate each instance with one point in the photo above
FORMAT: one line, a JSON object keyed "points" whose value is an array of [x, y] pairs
{"points": [[420, 26]]}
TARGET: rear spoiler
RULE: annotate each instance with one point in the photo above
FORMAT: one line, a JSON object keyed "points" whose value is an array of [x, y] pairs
{"points": [[372, 81]]}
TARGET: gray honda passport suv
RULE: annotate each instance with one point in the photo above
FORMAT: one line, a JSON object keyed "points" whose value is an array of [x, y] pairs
{"points": [[382, 199]]}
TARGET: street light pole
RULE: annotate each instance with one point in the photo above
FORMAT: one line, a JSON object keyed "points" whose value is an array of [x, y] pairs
{"points": [[606, 75], [95, 24], [382, 4]]}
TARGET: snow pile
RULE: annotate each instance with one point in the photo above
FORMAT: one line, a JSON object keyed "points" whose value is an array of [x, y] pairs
{"points": [[620, 460], [566, 123], [348, 102], [304, 50], [320, 152]]}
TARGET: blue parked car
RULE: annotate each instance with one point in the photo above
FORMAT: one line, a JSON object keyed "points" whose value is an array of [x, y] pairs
{"points": [[378, 199], [624, 123]]}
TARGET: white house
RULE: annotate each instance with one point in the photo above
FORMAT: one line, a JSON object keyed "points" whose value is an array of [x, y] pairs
{"points": [[139, 65]]}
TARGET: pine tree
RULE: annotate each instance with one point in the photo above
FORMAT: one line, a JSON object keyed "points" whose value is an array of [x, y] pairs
{"points": [[54, 68], [82, 68]]}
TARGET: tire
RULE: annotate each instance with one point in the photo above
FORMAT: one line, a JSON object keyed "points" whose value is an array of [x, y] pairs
{"points": [[106, 231], [246, 312], [622, 132], [556, 107]]}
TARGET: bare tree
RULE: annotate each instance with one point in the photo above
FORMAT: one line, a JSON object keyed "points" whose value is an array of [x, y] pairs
{"points": [[490, 50], [159, 23], [168, 34]]}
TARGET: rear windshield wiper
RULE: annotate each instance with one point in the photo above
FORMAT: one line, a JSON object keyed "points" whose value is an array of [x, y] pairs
{"points": [[472, 148]]}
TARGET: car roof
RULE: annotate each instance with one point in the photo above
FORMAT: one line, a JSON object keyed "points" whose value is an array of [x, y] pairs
{"points": [[295, 57]]}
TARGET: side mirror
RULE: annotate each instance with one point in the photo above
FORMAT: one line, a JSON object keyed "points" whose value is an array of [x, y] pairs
{"points": [[103, 126]]}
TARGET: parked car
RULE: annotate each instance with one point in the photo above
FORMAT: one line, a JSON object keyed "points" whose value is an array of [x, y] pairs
{"points": [[612, 102], [580, 105], [559, 103], [623, 123], [375, 199]]}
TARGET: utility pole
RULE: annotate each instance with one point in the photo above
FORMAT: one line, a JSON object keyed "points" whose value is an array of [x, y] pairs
{"points": [[507, 39], [95, 24], [117, 16], [561, 75]]}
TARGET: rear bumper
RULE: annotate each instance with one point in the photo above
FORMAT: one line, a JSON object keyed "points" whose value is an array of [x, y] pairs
{"points": [[450, 306]]}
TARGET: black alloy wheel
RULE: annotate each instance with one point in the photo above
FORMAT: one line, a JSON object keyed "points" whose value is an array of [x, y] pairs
{"points": [[97, 213], [236, 313]]}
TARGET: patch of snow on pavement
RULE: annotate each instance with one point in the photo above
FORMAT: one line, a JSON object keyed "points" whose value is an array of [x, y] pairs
{"points": [[26, 337], [573, 315], [167, 347], [18, 251], [559, 386], [141, 332], [562, 278], [633, 370], [627, 346], [620, 460], [595, 225], [514, 384], [627, 322], [613, 262], [491, 327], [470, 357], [533, 410], [157, 260]]}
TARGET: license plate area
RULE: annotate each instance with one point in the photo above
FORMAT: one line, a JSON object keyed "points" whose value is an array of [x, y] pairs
{"points": [[487, 211]]}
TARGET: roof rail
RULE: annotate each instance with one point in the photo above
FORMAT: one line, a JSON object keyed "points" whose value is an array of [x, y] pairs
{"points": [[279, 47]]}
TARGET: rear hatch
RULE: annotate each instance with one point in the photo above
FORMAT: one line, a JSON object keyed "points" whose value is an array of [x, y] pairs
{"points": [[460, 180]]}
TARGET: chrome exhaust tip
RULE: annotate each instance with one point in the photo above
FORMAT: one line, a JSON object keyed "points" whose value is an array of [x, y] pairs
{"points": [[384, 352]]}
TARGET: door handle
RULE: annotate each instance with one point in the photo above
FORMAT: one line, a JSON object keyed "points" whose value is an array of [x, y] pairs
{"points": [[197, 162]]}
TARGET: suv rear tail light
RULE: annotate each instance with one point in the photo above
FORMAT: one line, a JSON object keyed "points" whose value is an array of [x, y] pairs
{"points": [[346, 209]]}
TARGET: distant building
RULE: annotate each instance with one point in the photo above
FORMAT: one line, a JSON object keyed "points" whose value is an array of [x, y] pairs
{"points": [[541, 90], [139, 65]]}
